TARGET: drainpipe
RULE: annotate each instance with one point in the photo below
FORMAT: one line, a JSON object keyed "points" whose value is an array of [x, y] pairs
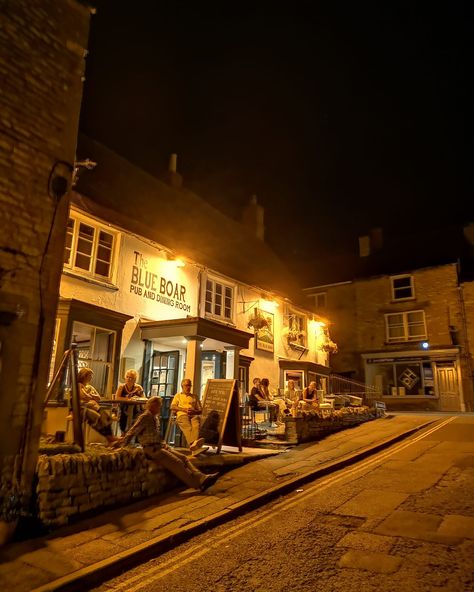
{"points": [[467, 352]]}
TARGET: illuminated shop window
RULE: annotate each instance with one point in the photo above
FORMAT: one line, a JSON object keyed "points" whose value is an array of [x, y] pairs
{"points": [[403, 287], [89, 248], [406, 326], [219, 300]]}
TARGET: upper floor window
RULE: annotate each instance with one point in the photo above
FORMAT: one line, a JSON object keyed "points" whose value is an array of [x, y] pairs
{"points": [[219, 300], [406, 326], [296, 329], [89, 248], [320, 300], [403, 287]]}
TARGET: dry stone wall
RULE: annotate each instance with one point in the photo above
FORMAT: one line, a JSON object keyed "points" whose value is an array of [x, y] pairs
{"points": [[70, 485]]}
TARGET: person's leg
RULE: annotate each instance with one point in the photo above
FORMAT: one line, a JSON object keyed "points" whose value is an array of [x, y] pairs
{"points": [[195, 425], [123, 418], [177, 464], [184, 423]]}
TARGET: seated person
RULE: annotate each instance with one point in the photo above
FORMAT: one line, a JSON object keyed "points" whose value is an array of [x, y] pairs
{"points": [[129, 390], [147, 430], [188, 410], [258, 400], [98, 418], [310, 397], [292, 396], [279, 401]]}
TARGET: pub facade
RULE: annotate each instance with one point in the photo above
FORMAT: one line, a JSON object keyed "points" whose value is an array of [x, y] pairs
{"points": [[128, 301]]}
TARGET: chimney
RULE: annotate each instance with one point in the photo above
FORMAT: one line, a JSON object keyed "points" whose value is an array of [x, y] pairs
{"points": [[172, 177], [252, 217], [371, 243]]}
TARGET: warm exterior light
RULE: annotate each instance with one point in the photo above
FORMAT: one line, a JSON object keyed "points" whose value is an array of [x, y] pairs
{"points": [[268, 304], [179, 262]]}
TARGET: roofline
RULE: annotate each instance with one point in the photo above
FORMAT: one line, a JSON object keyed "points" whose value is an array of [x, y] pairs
{"points": [[328, 285]]}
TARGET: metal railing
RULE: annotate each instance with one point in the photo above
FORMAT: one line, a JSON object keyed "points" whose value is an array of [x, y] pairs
{"points": [[339, 385]]}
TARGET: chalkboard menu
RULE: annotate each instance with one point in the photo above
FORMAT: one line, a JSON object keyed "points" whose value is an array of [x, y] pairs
{"points": [[220, 420]]}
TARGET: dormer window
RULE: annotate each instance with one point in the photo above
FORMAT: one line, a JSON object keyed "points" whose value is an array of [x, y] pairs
{"points": [[403, 287]]}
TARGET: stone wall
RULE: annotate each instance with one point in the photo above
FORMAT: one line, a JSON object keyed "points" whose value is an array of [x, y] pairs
{"points": [[315, 426], [42, 50], [70, 485]]}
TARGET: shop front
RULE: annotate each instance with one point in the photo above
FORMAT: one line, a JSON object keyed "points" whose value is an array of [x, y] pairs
{"points": [[417, 380], [195, 348]]}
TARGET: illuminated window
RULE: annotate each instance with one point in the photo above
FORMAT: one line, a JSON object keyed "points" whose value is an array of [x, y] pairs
{"points": [[296, 329], [89, 248], [403, 287], [406, 326], [219, 300]]}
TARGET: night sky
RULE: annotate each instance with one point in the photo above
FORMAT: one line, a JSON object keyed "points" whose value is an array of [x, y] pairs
{"points": [[339, 116]]}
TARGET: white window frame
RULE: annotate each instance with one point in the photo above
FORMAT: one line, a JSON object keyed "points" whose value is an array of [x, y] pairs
{"points": [[213, 302], [324, 297], [294, 315], [405, 324], [98, 227], [394, 289]]}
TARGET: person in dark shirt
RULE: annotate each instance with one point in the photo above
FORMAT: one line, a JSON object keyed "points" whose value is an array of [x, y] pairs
{"points": [[146, 429]]}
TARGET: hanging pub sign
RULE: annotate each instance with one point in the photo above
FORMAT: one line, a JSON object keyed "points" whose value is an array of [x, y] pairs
{"points": [[262, 323]]}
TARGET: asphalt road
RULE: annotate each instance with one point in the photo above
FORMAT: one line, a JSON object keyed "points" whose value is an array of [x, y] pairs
{"points": [[402, 520]]}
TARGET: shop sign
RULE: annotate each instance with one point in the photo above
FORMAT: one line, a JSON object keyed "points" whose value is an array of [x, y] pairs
{"points": [[392, 360]]}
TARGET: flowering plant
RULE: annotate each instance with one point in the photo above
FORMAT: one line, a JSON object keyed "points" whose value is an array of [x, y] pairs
{"points": [[329, 347], [257, 321]]}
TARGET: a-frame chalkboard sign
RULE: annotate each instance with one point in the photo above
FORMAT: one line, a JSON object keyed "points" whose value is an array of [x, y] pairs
{"points": [[220, 420]]}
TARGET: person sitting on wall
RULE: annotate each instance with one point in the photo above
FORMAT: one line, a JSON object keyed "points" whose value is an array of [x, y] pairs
{"points": [[147, 430], [278, 401], [258, 400], [310, 397], [129, 390], [292, 396], [188, 410], [98, 418]]}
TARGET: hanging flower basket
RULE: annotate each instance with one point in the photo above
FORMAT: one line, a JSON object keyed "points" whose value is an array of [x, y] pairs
{"points": [[257, 322], [330, 347]]}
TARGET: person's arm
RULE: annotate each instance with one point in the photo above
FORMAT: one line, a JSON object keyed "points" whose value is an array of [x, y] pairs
{"points": [[197, 410]]}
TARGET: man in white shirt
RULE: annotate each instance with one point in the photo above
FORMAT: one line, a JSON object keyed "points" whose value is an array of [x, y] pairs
{"points": [[188, 411]]}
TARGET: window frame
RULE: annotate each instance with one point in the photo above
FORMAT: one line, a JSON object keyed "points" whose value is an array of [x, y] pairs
{"points": [[94, 257], [294, 315], [324, 298], [405, 324], [393, 289], [224, 286]]}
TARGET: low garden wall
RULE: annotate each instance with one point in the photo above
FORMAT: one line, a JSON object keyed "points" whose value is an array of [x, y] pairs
{"points": [[74, 484], [314, 425]]}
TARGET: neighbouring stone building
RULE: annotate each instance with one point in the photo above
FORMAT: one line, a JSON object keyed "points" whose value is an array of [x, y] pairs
{"points": [[43, 45], [407, 331], [157, 280]]}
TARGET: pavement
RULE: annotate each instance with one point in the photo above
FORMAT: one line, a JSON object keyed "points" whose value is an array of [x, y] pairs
{"points": [[79, 556]]}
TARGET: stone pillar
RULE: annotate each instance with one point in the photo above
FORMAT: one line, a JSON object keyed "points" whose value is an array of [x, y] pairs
{"points": [[193, 362]]}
